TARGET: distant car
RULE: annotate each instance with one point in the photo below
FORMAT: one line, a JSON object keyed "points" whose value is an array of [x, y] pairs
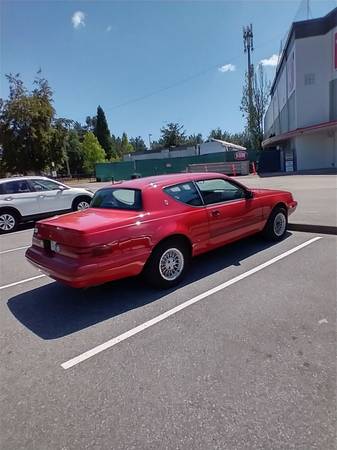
{"points": [[155, 225], [24, 199]]}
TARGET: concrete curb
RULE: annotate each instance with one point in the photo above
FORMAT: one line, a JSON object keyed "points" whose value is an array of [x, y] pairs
{"points": [[310, 228]]}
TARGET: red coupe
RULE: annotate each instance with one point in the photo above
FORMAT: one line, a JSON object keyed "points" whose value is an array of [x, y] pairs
{"points": [[154, 226]]}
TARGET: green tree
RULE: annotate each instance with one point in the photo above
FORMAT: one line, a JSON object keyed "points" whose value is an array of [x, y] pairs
{"points": [[138, 144], [75, 152], [102, 132], [172, 134], [254, 110], [30, 137], [195, 139], [92, 152], [125, 147]]}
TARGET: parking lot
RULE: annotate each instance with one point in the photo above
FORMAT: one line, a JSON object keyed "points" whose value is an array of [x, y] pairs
{"points": [[241, 356]]}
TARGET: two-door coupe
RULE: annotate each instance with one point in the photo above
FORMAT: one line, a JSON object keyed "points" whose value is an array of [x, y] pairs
{"points": [[154, 226]]}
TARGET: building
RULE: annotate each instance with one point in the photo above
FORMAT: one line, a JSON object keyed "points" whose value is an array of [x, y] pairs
{"points": [[301, 121], [208, 147]]}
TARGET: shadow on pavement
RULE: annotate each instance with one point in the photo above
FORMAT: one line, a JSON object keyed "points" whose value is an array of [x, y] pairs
{"points": [[54, 310]]}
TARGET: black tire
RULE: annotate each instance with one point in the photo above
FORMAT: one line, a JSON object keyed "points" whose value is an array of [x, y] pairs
{"points": [[78, 201], [9, 221], [277, 224], [155, 275]]}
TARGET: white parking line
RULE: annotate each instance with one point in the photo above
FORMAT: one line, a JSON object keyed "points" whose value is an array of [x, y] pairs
{"points": [[13, 249], [122, 337], [21, 282]]}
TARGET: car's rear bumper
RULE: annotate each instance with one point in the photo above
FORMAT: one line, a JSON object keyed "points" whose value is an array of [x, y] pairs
{"points": [[79, 274]]}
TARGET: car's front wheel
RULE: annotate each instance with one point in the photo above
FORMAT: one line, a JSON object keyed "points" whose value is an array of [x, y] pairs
{"points": [[8, 221], [81, 203], [168, 264], [276, 225]]}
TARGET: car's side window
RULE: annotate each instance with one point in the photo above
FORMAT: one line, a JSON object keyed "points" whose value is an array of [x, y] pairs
{"points": [[44, 185], [16, 187], [185, 193], [217, 190]]}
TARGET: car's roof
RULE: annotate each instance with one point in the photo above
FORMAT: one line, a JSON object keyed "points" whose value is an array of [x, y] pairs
{"points": [[164, 180], [33, 177]]}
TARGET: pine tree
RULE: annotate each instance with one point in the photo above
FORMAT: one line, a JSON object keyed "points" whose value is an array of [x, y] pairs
{"points": [[102, 132]]}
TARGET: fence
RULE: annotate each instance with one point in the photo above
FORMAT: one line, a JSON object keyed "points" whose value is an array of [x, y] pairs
{"points": [[147, 167]]}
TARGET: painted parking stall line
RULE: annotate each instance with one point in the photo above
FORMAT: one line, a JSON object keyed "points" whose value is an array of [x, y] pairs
{"points": [[122, 337], [27, 280], [14, 249]]}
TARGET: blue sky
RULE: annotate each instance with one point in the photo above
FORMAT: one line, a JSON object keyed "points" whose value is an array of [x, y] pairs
{"points": [[114, 53]]}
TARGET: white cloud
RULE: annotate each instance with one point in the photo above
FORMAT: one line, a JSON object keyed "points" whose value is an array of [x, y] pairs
{"points": [[272, 61], [108, 28], [78, 19], [227, 68]]}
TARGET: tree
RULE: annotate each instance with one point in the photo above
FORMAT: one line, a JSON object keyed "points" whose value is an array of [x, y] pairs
{"points": [[195, 139], [138, 144], [92, 152], [75, 152], [254, 110], [125, 147], [172, 134], [29, 135], [102, 132]]}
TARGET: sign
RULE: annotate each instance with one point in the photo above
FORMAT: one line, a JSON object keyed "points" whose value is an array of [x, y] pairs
{"points": [[335, 51], [241, 155], [291, 76]]}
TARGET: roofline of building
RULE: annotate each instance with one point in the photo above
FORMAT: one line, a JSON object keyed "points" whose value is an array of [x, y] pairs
{"points": [[303, 29], [324, 126]]}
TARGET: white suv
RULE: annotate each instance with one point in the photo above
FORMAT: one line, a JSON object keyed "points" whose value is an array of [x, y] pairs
{"points": [[23, 199]]}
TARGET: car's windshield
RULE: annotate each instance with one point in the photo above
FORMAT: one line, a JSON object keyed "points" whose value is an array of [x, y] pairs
{"points": [[117, 198]]}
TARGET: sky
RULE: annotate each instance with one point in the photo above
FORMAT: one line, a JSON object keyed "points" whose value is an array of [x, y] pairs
{"points": [[146, 63]]}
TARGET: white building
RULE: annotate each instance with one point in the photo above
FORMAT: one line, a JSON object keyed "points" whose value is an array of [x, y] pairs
{"points": [[301, 121], [208, 147]]}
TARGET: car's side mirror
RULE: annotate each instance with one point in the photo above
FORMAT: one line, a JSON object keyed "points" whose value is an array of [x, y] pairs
{"points": [[249, 195]]}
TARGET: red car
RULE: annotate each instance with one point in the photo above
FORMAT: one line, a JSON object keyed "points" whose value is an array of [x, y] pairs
{"points": [[154, 226]]}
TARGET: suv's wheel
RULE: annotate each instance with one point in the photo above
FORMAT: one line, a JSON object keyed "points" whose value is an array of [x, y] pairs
{"points": [[81, 203], [276, 225], [168, 264], [9, 221]]}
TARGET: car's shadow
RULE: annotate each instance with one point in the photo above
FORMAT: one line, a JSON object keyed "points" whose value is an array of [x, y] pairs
{"points": [[54, 310]]}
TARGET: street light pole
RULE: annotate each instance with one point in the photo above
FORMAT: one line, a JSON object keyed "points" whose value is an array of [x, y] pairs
{"points": [[150, 143]]}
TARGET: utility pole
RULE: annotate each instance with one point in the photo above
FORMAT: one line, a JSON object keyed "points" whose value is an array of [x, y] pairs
{"points": [[248, 48], [150, 143]]}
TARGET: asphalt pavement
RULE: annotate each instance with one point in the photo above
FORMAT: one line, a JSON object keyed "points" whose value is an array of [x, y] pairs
{"points": [[240, 356]]}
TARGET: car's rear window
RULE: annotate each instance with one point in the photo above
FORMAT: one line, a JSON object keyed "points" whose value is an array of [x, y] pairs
{"points": [[117, 198]]}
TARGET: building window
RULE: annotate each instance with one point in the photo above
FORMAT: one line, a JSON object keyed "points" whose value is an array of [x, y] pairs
{"points": [[309, 78]]}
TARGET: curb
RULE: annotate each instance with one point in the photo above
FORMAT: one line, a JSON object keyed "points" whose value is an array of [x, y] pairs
{"points": [[322, 229]]}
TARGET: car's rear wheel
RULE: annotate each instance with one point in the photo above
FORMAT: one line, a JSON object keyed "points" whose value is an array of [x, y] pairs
{"points": [[276, 225], [81, 203], [9, 221], [168, 264]]}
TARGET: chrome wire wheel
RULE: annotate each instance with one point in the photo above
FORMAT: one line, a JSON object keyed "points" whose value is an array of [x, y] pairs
{"points": [[7, 222], [82, 205], [280, 224], [171, 264]]}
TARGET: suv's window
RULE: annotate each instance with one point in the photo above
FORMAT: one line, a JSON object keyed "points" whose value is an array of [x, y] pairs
{"points": [[44, 185], [218, 190], [186, 193], [14, 187], [117, 198]]}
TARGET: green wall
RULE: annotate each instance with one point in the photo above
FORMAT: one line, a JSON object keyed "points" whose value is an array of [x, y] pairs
{"points": [[147, 167]]}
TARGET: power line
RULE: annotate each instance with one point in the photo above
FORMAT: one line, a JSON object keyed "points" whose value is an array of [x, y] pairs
{"points": [[187, 79]]}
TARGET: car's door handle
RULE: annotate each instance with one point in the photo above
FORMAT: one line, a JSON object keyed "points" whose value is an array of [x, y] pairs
{"points": [[215, 213], [41, 196], [8, 199]]}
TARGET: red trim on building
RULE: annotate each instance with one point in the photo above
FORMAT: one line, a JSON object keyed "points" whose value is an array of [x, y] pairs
{"points": [[299, 131]]}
